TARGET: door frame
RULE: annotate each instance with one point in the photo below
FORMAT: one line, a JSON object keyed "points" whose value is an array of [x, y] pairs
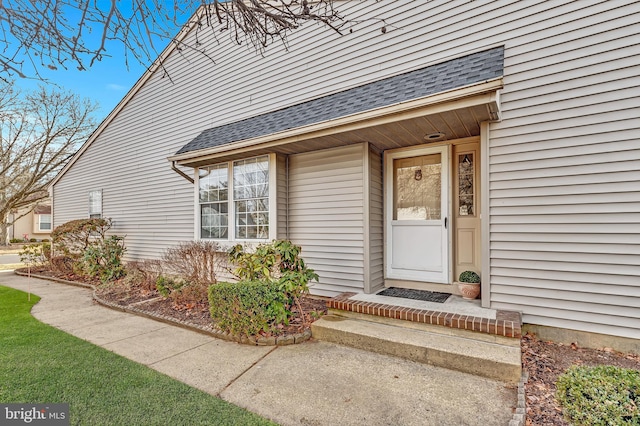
{"points": [[388, 184]]}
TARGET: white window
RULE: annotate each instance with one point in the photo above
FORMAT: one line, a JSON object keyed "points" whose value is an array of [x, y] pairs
{"points": [[44, 222], [95, 204], [247, 203], [214, 201]]}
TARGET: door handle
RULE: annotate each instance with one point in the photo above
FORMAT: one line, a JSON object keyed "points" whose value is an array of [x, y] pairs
{"points": [[445, 222]]}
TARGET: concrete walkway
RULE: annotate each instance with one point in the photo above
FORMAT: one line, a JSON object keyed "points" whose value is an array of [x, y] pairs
{"points": [[313, 383]]}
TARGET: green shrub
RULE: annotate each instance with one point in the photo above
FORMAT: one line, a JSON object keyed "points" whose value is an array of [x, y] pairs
{"points": [[254, 265], [167, 286], [469, 277], [280, 262], [16, 240], [72, 238], [603, 395], [248, 307], [33, 240], [35, 254], [103, 259]]}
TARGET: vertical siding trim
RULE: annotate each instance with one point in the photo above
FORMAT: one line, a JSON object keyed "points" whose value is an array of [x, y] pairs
{"points": [[485, 245], [273, 197], [196, 204], [366, 176], [282, 197]]}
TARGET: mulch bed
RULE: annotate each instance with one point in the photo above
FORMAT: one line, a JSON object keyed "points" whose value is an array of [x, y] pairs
{"points": [[545, 361], [198, 313], [151, 302]]}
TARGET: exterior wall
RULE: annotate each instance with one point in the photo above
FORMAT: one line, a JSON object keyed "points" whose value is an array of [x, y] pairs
{"points": [[326, 216], [27, 225], [564, 174], [376, 223], [563, 165]]}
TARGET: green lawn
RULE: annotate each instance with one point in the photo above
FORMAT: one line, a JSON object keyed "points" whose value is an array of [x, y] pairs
{"points": [[41, 364]]}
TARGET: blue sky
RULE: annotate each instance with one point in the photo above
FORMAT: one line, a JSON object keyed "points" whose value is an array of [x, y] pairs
{"points": [[106, 82]]}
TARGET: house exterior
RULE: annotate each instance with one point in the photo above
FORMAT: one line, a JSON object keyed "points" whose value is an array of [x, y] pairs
{"points": [[31, 222], [499, 137]]}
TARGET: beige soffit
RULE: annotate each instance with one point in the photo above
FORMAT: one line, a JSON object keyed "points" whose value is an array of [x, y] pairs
{"points": [[475, 94], [173, 44]]}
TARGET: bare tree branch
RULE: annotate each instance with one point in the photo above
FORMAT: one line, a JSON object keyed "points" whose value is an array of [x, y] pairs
{"points": [[38, 133], [38, 34]]}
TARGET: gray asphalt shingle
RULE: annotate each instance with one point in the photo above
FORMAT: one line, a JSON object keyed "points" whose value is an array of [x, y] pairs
{"points": [[459, 72]]}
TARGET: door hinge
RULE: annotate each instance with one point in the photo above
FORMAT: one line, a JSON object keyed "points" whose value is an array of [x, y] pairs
{"points": [[445, 222]]}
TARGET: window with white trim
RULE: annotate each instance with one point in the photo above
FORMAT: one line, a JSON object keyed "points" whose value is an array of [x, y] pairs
{"points": [[214, 201], [44, 222], [247, 202], [95, 204]]}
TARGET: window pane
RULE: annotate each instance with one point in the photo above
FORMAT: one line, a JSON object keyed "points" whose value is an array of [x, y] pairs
{"points": [[466, 203], [251, 194], [45, 222], [95, 204], [418, 188], [213, 220], [213, 183]]}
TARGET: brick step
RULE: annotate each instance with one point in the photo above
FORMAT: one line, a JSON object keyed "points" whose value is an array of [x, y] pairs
{"points": [[494, 357], [458, 316]]}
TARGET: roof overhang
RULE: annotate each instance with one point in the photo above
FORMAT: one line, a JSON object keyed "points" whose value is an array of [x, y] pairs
{"points": [[466, 106]]}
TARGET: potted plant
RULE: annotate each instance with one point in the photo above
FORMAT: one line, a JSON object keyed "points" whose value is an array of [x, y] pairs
{"points": [[469, 285]]}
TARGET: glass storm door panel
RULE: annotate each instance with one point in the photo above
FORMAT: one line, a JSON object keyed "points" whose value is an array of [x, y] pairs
{"points": [[418, 228]]}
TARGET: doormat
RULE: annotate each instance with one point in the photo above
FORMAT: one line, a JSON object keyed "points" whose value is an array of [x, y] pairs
{"points": [[407, 293]]}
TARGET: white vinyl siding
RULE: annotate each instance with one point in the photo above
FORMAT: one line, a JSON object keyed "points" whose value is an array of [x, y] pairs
{"points": [[326, 216], [282, 196], [376, 223], [563, 165], [564, 176]]}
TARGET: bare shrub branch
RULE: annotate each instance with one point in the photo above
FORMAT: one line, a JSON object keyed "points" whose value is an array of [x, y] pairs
{"points": [[195, 261]]}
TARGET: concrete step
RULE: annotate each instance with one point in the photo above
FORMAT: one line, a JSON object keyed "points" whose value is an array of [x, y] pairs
{"points": [[492, 359]]}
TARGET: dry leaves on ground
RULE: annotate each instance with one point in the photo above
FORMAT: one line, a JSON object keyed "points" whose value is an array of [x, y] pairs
{"points": [[545, 361]]}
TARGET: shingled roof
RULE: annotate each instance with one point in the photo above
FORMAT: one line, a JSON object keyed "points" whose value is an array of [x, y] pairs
{"points": [[474, 68]]}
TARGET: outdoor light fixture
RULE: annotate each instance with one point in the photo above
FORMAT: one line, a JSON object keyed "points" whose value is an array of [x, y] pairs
{"points": [[434, 136]]}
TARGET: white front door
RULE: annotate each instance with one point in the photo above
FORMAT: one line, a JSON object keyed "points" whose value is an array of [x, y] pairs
{"points": [[417, 210]]}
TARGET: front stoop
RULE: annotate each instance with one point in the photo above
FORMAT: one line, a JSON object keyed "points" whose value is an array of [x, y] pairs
{"points": [[488, 347]]}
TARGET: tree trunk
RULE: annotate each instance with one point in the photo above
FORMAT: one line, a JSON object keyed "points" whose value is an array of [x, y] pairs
{"points": [[4, 228]]}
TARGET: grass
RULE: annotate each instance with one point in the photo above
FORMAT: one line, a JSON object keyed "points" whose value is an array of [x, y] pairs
{"points": [[41, 364]]}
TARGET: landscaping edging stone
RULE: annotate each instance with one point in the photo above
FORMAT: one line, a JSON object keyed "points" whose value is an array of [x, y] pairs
{"points": [[208, 330], [520, 415]]}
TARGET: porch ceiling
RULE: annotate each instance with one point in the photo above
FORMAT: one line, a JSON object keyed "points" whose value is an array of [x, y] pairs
{"points": [[454, 124]]}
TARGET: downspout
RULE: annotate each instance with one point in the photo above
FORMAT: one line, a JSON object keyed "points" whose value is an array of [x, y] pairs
{"points": [[181, 173]]}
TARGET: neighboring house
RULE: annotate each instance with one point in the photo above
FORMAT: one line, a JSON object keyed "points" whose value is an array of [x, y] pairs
{"points": [[494, 136], [31, 222]]}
